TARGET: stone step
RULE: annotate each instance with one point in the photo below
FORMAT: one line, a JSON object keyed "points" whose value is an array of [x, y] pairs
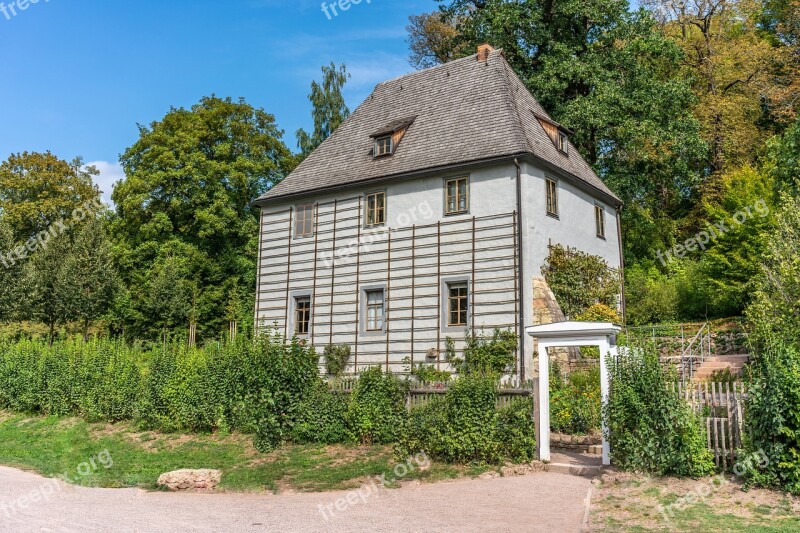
{"points": [[574, 470]]}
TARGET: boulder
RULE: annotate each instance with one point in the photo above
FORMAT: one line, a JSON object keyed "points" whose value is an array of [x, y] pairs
{"points": [[190, 479]]}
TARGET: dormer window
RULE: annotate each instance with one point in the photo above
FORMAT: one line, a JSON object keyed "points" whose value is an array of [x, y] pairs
{"points": [[387, 139], [563, 143], [557, 133], [383, 146]]}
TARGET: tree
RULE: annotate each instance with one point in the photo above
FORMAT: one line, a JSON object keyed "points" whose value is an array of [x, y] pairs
{"points": [[431, 38], [329, 109], [91, 266], [9, 275], [613, 78], [190, 180], [39, 189], [49, 285]]}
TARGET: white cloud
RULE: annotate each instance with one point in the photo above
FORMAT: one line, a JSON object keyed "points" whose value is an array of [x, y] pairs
{"points": [[110, 173]]}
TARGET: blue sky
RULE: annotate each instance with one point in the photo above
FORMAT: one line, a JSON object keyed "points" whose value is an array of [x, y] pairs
{"points": [[78, 75]]}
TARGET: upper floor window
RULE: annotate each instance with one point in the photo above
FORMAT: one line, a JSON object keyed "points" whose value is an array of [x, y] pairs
{"points": [[302, 315], [383, 146], [304, 222], [457, 303], [552, 197], [456, 196], [375, 309], [376, 209], [600, 221]]}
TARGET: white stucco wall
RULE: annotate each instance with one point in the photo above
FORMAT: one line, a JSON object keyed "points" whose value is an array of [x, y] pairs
{"points": [[336, 276]]}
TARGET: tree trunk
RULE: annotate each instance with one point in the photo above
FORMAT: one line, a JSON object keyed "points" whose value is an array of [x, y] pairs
{"points": [[52, 333], [86, 330]]}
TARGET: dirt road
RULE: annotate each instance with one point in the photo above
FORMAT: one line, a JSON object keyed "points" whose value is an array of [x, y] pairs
{"points": [[537, 502]]}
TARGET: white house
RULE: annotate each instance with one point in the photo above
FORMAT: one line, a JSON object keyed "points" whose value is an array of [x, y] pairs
{"points": [[427, 214]]}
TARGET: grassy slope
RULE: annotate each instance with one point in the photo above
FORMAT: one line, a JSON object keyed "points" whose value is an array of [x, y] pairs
{"points": [[53, 446]]}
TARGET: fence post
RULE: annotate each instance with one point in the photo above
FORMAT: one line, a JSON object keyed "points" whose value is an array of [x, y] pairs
{"points": [[536, 411]]}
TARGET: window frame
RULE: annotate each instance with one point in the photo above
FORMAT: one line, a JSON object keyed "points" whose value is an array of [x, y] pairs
{"points": [[457, 211], [600, 221], [563, 142], [309, 217], [551, 197], [368, 307], [376, 153], [297, 299], [367, 197], [446, 285]]}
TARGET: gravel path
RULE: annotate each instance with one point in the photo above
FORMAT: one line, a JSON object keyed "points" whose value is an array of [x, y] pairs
{"points": [[537, 502]]}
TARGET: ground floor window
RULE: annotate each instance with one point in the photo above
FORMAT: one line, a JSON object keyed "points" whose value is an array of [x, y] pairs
{"points": [[457, 303], [302, 315], [375, 310]]}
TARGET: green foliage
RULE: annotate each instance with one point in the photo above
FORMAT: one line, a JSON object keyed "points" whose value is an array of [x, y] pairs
{"points": [[483, 354], [186, 233], [336, 358], [599, 313], [516, 430], [465, 426], [774, 311], [428, 373], [773, 417], [650, 428], [322, 417], [377, 408], [575, 403], [328, 108], [580, 280]]}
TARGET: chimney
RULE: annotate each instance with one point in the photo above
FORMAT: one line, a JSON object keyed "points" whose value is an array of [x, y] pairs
{"points": [[483, 52]]}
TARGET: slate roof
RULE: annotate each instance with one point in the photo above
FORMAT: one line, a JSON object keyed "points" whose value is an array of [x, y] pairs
{"points": [[463, 111]]}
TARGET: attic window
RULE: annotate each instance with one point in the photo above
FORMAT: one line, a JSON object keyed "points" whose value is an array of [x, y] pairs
{"points": [[383, 146], [387, 139], [563, 143], [557, 133]]}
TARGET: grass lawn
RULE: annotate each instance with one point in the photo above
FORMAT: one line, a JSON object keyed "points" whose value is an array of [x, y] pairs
{"points": [[638, 503], [53, 446]]}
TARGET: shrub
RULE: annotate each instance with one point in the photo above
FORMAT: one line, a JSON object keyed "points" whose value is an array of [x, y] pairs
{"points": [[579, 280], [575, 404], [465, 426], [516, 430], [428, 373], [377, 408], [773, 417], [485, 355], [321, 418], [599, 313], [336, 358], [651, 429]]}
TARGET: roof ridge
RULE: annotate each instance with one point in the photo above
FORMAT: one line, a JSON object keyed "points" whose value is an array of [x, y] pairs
{"points": [[427, 70], [511, 101]]}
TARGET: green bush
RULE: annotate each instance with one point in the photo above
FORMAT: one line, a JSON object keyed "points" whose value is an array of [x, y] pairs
{"points": [[377, 408], [484, 354], [322, 418], [651, 429], [516, 430], [336, 358], [575, 405], [465, 426], [773, 417]]}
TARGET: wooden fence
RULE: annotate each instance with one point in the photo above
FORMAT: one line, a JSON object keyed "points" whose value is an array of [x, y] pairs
{"points": [[721, 406], [419, 394]]}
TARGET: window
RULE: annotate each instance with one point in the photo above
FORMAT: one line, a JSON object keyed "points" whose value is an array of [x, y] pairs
{"points": [[552, 197], [302, 315], [304, 222], [456, 196], [600, 221], [563, 144], [457, 303], [383, 146], [376, 209], [375, 310]]}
